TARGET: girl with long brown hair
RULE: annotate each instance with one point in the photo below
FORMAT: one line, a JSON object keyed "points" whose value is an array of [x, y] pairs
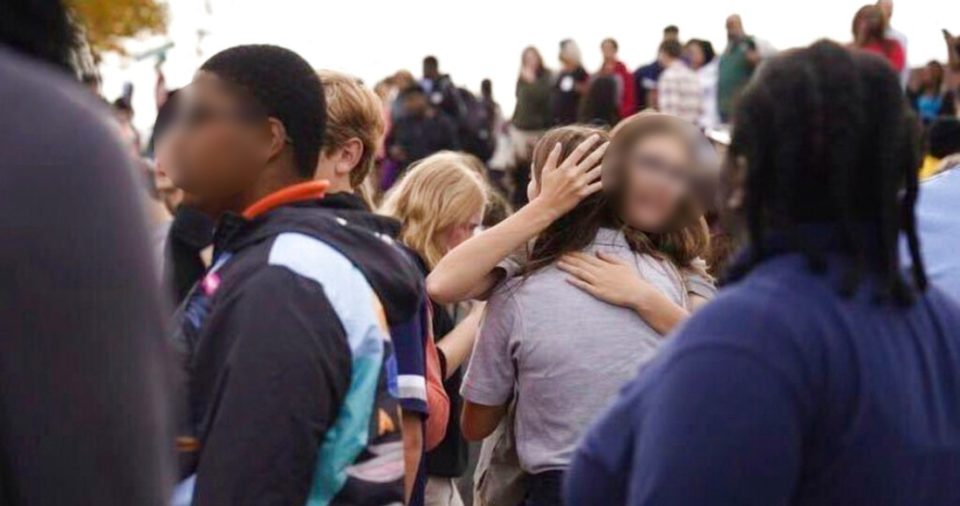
{"points": [[544, 340]]}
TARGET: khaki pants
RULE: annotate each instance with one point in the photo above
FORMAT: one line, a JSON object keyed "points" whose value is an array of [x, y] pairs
{"points": [[442, 492]]}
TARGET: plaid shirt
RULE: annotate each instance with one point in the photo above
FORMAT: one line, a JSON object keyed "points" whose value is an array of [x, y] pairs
{"points": [[679, 92]]}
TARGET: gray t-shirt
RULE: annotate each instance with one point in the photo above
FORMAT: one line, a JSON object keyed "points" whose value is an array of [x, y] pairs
{"points": [[565, 352]]}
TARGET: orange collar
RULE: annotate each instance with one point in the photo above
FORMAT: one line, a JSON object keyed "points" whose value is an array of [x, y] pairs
{"points": [[308, 190]]}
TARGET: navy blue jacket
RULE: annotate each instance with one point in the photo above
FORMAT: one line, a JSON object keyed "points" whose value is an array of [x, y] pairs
{"points": [[782, 392]]}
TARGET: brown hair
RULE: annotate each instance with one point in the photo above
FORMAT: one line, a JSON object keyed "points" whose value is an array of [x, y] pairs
{"points": [[353, 111], [575, 230], [686, 237]]}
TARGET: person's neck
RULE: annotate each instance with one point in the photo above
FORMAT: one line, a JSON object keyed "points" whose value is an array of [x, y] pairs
{"points": [[272, 180], [338, 185]]}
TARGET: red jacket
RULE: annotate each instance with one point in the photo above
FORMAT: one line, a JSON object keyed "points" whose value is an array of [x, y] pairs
{"points": [[628, 102]]}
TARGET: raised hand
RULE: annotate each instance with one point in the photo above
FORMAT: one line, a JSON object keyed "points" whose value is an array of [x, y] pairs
{"points": [[563, 184]]}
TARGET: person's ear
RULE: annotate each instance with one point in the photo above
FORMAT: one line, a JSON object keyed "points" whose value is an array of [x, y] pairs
{"points": [[278, 138], [349, 156]]}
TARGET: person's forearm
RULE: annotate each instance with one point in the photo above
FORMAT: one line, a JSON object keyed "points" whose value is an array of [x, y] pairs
{"points": [[467, 270], [660, 313], [456, 345], [412, 450]]}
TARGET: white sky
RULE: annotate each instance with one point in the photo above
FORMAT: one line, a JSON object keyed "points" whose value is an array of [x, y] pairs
{"points": [[479, 39]]}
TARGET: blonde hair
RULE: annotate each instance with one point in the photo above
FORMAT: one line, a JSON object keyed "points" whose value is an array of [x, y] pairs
{"points": [[353, 111], [438, 192]]}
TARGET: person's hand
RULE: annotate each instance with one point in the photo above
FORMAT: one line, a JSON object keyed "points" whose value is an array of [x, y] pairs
{"points": [[608, 278], [528, 74], [475, 311], [564, 184]]}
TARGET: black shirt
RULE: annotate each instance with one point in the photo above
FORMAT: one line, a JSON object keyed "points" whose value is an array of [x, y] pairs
{"points": [[449, 458], [566, 97]]}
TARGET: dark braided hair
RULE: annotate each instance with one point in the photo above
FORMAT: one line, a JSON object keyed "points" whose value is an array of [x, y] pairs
{"points": [[827, 138], [41, 29], [286, 87]]}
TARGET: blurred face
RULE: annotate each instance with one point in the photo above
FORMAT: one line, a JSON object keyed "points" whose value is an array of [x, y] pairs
{"points": [[530, 59], [609, 50], [171, 195], [220, 146], [734, 28], [415, 104], [657, 180], [457, 234], [887, 7], [695, 55]]}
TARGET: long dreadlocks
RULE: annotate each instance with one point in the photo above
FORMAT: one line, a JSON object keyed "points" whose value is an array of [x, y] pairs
{"points": [[827, 137]]}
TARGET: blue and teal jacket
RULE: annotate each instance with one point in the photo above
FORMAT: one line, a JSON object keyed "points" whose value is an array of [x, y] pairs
{"points": [[289, 389]]}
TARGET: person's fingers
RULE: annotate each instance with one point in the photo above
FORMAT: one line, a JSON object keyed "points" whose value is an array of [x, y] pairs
{"points": [[592, 188], [583, 285], [593, 159], [583, 258], [610, 258], [575, 270], [552, 159], [592, 175], [580, 151]]}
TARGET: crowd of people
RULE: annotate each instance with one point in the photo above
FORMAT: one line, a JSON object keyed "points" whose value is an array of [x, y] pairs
{"points": [[301, 289]]}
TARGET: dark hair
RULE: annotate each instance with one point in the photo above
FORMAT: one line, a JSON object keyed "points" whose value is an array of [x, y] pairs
{"points": [[876, 31], [40, 29], [935, 71], [497, 210], [575, 230], [599, 106], [612, 41], [286, 87], [671, 48], [708, 52], [486, 88], [431, 61], [671, 29], [944, 137], [839, 152]]}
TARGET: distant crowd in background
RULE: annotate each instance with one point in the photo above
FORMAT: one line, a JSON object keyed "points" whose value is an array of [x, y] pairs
{"points": [[688, 79], [393, 294]]}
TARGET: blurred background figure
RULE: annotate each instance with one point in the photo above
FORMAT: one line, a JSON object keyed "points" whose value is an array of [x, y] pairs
{"points": [[421, 130], [645, 77], [531, 117], [927, 94], [600, 106], [702, 59], [612, 66], [886, 6], [943, 143], [84, 370], [440, 89], [737, 64], [938, 223], [678, 89], [870, 34], [571, 84]]}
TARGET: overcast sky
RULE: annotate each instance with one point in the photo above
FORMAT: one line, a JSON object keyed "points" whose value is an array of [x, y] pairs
{"points": [[475, 40]]}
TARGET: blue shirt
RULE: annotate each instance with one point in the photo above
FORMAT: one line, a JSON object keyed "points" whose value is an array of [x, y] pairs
{"points": [[938, 224], [782, 392]]}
